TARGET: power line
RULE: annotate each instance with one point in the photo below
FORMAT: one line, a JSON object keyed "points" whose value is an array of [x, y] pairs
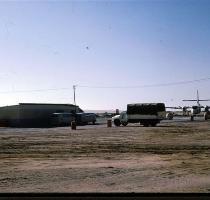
{"points": [[151, 85], [111, 87], [38, 90]]}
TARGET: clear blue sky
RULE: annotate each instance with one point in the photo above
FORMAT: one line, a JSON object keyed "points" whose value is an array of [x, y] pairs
{"points": [[46, 45]]}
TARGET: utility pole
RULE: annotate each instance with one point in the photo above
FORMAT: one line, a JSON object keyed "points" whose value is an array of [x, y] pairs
{"points": [[74, 88], [75, 108]]}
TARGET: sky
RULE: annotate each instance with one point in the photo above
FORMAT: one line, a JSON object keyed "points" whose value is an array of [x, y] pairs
{"points": [[121, 51]]}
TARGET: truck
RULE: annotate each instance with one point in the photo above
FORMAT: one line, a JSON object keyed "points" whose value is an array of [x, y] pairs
{"points": [[147, 114]]}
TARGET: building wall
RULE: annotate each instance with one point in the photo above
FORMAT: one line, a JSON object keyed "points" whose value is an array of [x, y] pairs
{"points": [[33, 115], [9, 111], [9, 115]]}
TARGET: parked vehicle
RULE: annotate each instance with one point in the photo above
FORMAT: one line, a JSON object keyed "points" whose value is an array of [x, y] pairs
{"points": [[144, 113], [169, 115], [85, 118], [62, 119], [65, 119]]}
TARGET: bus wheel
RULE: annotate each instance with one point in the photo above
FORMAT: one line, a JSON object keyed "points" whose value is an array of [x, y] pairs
{"points": [[117, 122]]}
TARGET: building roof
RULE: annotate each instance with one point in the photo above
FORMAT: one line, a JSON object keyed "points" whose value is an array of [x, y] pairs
{"points": [[57, 104]]}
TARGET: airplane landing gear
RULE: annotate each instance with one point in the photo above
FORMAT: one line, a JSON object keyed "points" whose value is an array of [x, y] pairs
{"points": [[205, 116]]}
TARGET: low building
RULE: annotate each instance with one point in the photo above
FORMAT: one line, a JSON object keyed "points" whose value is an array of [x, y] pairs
{"points": [[33, 114]]}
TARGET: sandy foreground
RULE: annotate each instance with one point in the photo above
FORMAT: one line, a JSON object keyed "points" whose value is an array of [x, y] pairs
{"points": [[172, 157]]}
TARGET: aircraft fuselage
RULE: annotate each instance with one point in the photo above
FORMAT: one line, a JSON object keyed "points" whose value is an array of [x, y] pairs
{"points": [[195, 110]]}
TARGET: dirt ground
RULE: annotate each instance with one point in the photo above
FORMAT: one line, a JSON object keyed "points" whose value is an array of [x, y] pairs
{"points": [[172, 157]]}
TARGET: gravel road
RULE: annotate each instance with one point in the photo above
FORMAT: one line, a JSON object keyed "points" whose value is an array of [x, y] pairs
{"points": [[172, 157]]}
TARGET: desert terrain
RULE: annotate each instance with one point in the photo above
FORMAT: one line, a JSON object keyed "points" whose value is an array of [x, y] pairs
{"points": [[172, 157]]}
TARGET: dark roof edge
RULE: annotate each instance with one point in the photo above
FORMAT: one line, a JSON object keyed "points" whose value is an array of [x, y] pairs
{"points": [[144, 103], [46, 104]]}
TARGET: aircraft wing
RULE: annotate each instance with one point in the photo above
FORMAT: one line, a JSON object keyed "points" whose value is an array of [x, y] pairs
{"points": [[190, 100], [187, 107], [204, 100], [196, 100]]}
